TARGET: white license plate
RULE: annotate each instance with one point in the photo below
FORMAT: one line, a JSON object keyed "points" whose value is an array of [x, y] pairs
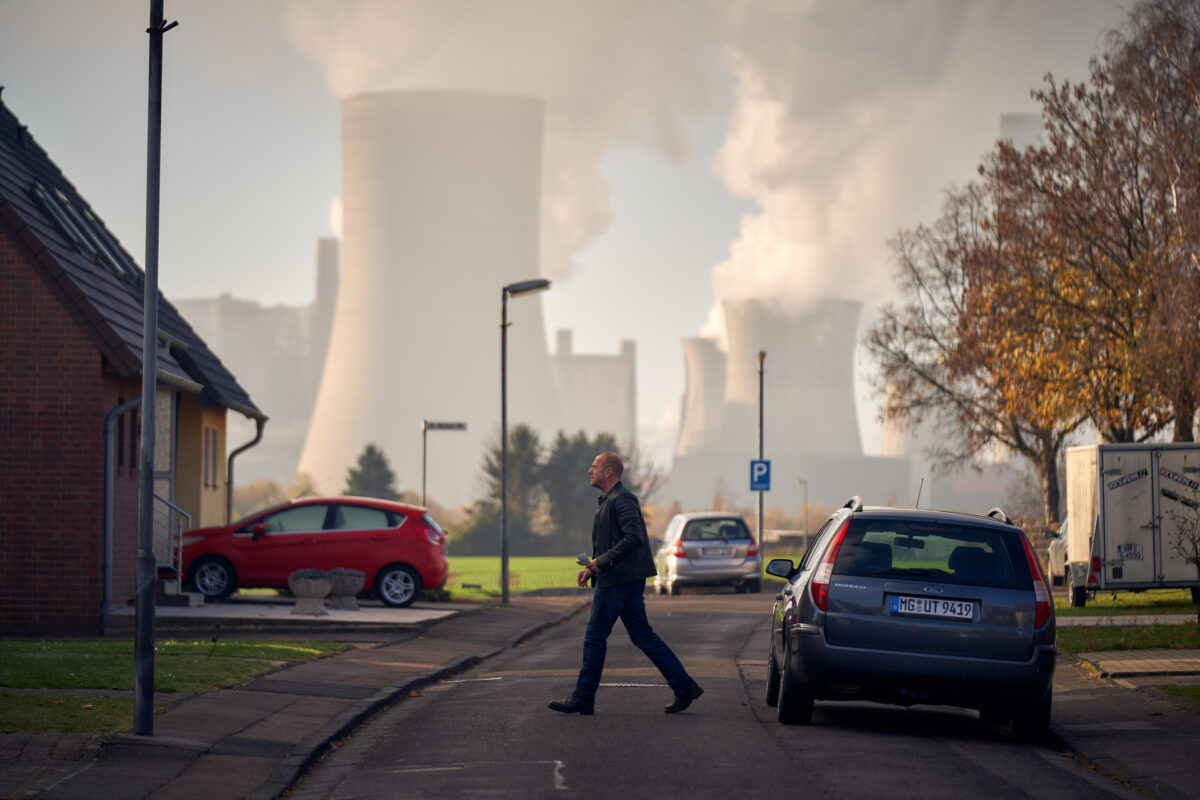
{"points": [[932, 607], [716, 551]]}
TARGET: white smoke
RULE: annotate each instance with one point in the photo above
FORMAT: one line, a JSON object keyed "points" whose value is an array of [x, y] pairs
{"points": [[852, 117], [619, 72]]}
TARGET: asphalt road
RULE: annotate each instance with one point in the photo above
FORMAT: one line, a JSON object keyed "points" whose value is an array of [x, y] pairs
{"points": [[488, 733]]}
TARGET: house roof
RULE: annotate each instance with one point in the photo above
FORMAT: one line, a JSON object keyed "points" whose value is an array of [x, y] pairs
{"points": [[100, 282]]}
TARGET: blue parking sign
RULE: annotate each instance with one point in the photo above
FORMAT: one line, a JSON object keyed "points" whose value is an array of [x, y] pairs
{"points": [[760, 475]]}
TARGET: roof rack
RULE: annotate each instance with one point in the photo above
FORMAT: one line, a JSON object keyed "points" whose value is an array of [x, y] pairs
{"points": [[998, 513], [854, 503]]}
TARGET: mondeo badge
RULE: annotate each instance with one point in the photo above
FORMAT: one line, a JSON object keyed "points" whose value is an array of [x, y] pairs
{"points": [[933, 590]]}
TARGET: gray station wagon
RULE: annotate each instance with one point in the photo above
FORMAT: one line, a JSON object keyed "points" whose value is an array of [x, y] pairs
{"points": [[909, 606]]}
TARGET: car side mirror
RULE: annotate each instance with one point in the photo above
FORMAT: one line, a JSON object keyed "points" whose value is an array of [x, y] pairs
{"points": [[781, 568], [259, 531]]}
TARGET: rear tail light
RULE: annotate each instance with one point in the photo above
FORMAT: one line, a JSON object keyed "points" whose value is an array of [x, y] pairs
{"points": [[1040, 594], [679, 552], [753, 549], [1094, 575], [820, 581], [433, 536]]}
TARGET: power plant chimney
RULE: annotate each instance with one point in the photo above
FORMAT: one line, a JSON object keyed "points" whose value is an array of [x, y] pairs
{"points": [[441, 207]]}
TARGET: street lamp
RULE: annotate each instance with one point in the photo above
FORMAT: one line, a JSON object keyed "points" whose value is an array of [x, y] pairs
{"points": [[511, 290]]}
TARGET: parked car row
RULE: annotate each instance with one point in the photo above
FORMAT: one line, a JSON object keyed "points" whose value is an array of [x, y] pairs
{"points": [[399, 547]]}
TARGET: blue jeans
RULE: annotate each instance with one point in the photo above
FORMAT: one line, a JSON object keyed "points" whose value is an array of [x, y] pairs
{"points": [[627, 602]]}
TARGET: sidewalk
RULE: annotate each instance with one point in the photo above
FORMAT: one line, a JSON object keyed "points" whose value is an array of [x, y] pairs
{"points": [[1110, 713], [256, 740]]}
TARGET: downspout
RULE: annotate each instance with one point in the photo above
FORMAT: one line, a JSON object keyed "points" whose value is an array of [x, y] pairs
{"points": [[259, 424], [106, 552]]}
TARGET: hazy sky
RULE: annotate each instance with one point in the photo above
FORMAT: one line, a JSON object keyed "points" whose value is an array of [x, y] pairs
{"points": [[695, 150]]}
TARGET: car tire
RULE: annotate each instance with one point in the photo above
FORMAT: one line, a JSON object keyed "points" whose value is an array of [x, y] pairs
{"points": [[742, 588], [1031, 722], [772, 680], [1078, 596], [213, 576], [673, 589], [1196, 595], [795, 699], [397, 585], [754, 587]]}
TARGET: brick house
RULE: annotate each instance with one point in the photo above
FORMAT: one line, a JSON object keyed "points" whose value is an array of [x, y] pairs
{"points": [[70, 373]]}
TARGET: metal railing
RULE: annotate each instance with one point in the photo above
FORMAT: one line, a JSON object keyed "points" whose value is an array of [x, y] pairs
{"points": [[170, 521]]}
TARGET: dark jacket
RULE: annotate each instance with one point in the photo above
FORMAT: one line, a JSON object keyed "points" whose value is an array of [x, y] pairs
{"points": [[619, 541]]}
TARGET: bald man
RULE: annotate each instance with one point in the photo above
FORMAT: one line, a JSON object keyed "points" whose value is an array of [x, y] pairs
{"points": [[619, 567]]}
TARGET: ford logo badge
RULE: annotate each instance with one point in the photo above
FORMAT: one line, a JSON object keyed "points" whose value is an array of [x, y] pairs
{"points": [[933, 590]]}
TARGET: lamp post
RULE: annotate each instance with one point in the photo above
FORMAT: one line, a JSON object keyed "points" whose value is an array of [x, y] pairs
{"points": [[511, 290], [804, 485], [426, 425]]}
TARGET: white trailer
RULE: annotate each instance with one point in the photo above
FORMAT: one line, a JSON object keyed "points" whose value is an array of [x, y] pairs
{"points": [[1123, 506]]}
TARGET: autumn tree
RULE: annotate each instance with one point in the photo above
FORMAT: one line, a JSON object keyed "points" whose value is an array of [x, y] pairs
{"points": [[968, 349]]}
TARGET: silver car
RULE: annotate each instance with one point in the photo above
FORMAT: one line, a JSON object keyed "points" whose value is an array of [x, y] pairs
{"points": [[708, 548], [1056, 556], [908, 606]]}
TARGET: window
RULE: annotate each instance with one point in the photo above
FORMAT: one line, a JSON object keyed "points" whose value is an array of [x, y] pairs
{"points": [[722, 530], [300, 518], [950, 553], [359, 518], [215, 460]]}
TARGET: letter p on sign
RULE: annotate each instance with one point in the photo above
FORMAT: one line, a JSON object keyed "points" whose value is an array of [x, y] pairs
{"points": [[760, 476]]}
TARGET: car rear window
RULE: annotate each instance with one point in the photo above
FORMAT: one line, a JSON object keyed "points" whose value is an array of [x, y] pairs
{"points": [[945, 552], [708, 530]]}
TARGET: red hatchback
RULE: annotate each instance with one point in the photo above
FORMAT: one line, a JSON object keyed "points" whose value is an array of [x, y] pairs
{"points": [[399, 547]]}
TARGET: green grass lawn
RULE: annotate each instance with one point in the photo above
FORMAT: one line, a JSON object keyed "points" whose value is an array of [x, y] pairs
{"points": [[525, 573], [1186, 692], [1132, 637], [65, 665], [1154, 601]]}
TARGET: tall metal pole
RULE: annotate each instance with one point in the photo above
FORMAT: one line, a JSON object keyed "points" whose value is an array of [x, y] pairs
{"points": [[143, 677], [504, 445], [762, 355]]}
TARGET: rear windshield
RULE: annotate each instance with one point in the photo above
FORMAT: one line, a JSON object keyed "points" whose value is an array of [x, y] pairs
{"points": [[947, 553], [715, 530]]}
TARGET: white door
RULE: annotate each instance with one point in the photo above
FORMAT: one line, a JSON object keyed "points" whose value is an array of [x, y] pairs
{"points": [[1128, 505], [1178, 496]]}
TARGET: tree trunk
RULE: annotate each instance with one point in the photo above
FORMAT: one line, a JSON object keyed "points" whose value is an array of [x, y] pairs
{"points": [[1184, 407], [1047, 467]]}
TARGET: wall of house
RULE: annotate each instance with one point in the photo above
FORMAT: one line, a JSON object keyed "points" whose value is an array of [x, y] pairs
{"points": [[50, 462], [200, 468]]}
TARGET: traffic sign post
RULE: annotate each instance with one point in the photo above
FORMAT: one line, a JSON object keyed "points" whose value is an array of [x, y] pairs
{"points": [[426, 425]]}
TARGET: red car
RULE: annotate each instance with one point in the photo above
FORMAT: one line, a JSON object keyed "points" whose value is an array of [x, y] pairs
{"points": [[399, 547]]}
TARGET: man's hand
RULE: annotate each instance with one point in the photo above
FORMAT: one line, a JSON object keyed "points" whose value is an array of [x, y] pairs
{"points": [[587, 573]]}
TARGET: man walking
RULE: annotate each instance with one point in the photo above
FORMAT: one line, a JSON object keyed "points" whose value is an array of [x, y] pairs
{"points": [[620, 564]]}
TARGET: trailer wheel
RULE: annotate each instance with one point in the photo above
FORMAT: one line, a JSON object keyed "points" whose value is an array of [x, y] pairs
{"points": [[1078, 596], [1196, 595]]}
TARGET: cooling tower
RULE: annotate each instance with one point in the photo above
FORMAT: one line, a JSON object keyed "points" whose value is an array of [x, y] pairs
{"points": [[440, 211], [809, 404], [704, 396]]}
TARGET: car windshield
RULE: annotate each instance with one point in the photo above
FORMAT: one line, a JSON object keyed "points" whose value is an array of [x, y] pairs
{"points": [[947, 552]]}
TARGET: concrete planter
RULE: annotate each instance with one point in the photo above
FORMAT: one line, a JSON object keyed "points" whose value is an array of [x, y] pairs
{"points": [[310, 591], [346, 583]]}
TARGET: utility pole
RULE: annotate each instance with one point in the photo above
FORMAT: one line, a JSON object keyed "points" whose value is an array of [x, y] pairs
{"points": [[146, 565]]}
